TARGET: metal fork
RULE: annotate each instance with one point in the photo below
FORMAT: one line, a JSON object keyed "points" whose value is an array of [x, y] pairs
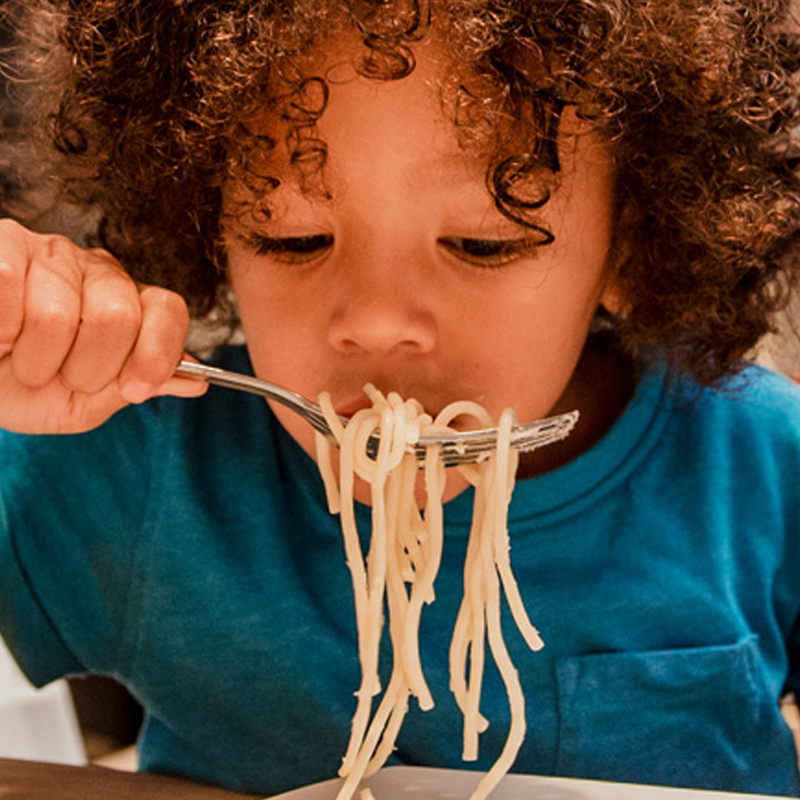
{"points": [[456, 448]]}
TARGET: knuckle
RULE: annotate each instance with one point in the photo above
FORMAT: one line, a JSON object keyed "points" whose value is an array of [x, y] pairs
{"points": [[168, 315], [110, 299], [51, 316], [165, 301], [153, 360], [119, 313], [14, 236], [11, 301], [150, 370], [59, 248], [13, 257], [163, 332], [8, 270], [10, 228]]}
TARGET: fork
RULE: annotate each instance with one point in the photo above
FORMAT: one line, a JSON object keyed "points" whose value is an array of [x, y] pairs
{"points": [[456, 448]]}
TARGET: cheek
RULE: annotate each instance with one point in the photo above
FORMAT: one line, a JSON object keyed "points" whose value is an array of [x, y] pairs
{"points": [[542, 347], [543, 379], [274, 302], [268, 318]]}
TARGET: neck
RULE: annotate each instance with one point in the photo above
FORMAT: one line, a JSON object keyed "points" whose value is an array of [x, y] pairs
{"points": [[600, 389]]}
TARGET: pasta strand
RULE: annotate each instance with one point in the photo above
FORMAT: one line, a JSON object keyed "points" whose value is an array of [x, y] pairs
{"points": [[398, 573]]}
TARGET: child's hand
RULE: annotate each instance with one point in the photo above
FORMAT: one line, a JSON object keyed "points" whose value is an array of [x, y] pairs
{"points": [[79, 339]]}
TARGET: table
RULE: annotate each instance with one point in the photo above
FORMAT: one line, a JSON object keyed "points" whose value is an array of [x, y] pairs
{"points": [[32, 780]]}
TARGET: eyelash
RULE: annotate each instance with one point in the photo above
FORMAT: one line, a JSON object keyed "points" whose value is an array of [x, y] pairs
{"points": [[486, 253], [290, 249]]}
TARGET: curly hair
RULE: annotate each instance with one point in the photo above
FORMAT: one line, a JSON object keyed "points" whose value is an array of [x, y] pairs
{"points": [[697, 98]]}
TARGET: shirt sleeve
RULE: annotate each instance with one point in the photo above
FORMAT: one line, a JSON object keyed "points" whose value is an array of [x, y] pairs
{"points": [[784, 439], [71, 511]]}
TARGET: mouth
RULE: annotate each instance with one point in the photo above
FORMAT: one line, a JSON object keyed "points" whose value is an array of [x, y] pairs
{"points": [[349, 408], [351, 396]]}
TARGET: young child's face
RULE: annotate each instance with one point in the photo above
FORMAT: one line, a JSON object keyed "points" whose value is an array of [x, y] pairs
{"points": [[409, 278]]}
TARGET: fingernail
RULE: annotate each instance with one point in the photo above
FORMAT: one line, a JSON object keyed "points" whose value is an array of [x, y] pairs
{"points": [[136, 391]]}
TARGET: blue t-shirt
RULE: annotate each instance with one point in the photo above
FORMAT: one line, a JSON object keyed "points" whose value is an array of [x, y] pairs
{"points": [[185, 549]]}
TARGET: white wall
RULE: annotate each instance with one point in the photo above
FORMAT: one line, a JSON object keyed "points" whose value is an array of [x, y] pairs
{"points": [[36, 724]]}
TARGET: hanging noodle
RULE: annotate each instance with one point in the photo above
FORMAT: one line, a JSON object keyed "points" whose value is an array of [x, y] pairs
{"points": [[398, 572]]}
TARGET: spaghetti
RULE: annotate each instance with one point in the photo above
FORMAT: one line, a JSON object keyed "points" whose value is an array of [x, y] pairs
{"points": [[397, 574]]}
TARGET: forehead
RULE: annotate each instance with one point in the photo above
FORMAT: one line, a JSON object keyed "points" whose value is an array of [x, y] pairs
{"points": [[333, 132], [330, 117]]}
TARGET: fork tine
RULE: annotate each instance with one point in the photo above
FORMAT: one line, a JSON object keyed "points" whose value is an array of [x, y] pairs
{"points": [[524, 438]]}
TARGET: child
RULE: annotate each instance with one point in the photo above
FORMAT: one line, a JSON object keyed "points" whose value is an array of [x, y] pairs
{"points": [[532, 204]]}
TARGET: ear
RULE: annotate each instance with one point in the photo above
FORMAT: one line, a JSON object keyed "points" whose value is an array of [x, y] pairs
{"points": [[613, 300]]}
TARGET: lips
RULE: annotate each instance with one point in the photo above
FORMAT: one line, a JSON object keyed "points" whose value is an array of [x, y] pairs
{"points": [[348, 400], [354, 403], [349, 410]]}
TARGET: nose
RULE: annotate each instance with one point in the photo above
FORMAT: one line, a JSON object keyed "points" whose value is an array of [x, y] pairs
{"points": [[383, 309]]}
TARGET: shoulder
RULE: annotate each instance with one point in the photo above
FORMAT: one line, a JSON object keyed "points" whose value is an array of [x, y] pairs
{"points": [[748, 428], [756, 401], [764, 389]]}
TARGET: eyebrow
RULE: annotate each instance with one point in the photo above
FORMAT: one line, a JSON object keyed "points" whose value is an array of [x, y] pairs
{"points": [[441, 166]]}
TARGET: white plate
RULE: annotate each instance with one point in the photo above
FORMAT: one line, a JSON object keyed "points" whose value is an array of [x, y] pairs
{"points": [[426, 783]]}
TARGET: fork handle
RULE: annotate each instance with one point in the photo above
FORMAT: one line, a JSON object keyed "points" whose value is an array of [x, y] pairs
{"points": [[235, 380]]}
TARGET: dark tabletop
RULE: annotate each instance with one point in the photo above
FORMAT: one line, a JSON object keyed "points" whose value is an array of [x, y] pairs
{"points": [[30, 780]]}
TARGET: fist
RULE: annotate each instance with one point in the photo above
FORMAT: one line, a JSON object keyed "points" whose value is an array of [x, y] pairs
{"points": [[79, 339]]}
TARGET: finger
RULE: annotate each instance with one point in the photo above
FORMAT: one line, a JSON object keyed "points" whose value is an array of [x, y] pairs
{"points": [[159, 347], [13, 270], [183, 387], [111, 315], [52, 310]]}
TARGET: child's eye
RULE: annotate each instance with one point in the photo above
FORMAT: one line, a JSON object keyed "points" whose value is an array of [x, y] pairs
{"points": [[291, 249], [487, 252]]}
